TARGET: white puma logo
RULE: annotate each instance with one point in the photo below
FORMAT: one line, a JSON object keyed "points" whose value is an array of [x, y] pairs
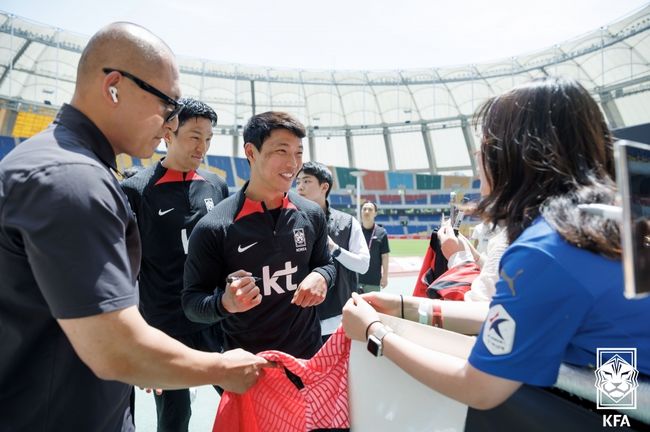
{"points": [[244, 249], [163, 213]]}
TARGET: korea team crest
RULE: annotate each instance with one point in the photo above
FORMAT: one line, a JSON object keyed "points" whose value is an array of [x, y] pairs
{"points": [[616, 378], [299, 239], [209, 204]]}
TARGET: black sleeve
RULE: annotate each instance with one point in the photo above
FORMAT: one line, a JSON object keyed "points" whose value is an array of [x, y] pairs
{"points": [[204, 277], [384, 244], [132, 194], [320, 261], [224, 189], [73, 224]]}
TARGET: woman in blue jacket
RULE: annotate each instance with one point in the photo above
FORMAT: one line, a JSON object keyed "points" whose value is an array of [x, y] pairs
{"points": [[545, 148]]}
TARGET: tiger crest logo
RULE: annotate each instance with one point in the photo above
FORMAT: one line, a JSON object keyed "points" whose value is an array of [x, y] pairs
{"points": [[616, 378]]}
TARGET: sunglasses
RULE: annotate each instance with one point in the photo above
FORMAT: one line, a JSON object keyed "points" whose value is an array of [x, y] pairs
{"points": [[177, 106]]}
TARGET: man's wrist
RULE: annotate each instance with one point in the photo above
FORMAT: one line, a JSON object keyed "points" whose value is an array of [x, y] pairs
{"points": [[221, 305]]}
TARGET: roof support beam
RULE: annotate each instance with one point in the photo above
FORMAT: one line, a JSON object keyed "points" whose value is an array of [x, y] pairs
{"points": [[349, 143], [469, 143], [311, 142], [614, 117], [428, 147], [13, 61], [253, 96], [390, 155]]}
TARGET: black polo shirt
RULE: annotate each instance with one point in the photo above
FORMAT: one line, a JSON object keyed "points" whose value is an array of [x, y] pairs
{"points": [[377, 240], [69, 248]]}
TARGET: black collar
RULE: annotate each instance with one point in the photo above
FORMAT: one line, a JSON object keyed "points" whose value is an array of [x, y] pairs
{"points": [[91, 137]]}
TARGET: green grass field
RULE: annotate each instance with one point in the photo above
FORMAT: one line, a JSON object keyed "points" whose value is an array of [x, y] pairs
{"points": [[408, 247]]}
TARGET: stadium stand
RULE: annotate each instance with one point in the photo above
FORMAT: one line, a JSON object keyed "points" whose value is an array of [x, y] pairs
{"points": [[28, 124], [6, 144], [401, 214]]}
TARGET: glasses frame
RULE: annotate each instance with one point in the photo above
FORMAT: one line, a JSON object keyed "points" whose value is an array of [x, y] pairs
{"points": [[178, 106]]}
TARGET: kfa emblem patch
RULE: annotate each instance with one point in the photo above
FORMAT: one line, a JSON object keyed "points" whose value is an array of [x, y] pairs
{"points": [[616, 378], [299, 239], [499, 331], [209, 204]]}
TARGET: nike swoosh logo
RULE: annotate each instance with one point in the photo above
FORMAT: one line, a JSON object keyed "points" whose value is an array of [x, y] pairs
{"points": [[244, 249], [163, 213]]}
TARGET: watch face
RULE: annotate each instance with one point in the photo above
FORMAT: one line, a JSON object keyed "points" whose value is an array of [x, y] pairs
{"points": [[374, 346]]}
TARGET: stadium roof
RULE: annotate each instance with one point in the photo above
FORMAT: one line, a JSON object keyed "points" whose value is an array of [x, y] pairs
{"points": [[411, 119]]}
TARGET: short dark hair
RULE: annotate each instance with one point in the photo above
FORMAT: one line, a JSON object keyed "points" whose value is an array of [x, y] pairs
{"points": [[372, 203], [196, 109], [321, 172], [546, 148], [260, 126]]}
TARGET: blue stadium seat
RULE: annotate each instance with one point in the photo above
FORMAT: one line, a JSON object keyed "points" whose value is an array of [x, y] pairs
{"points": [[429, 218], [415, 229], [6, 145], [440, 199], [394, 229]]}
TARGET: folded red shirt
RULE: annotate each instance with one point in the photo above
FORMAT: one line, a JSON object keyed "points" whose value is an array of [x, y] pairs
{"points": [[312, 395]]}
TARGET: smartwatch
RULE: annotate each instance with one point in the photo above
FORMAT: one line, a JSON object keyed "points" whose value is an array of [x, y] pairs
{"points": [[375, 340], [336, 252]]}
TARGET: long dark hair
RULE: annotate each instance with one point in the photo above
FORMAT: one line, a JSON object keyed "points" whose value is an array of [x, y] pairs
{"points": [[546, 148]]}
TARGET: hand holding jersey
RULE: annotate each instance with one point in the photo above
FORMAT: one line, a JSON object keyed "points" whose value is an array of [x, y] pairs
{"points": [[359, 318], [241, 370], [242, 294], [311, 291], [449, 243]]}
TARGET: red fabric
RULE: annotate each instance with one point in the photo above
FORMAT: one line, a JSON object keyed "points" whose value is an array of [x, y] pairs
{"points": [[454, 283], [428, 263], [274, 403], [437, 282], [251, 207], [172, 176]]}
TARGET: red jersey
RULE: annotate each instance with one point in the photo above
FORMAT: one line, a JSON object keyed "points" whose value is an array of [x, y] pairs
{"points": [[276, 403]]}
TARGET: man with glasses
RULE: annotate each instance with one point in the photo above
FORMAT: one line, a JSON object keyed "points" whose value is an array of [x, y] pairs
{"points": [[70, 330], [169, 198], [174, 107]]}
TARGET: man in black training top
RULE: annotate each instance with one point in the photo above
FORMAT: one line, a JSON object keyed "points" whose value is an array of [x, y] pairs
{"points": [[345, 241], [169, 198], [266, 232]]}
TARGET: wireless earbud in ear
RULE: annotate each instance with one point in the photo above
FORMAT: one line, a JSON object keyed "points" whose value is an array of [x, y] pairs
{"points": [[113, 91]]}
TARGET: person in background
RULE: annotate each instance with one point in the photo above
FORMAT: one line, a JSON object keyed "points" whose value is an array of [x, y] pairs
{"points": [[168, 198], [492, 243], [545, 148], [71, 334], [376, 278], [345, 241]]}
